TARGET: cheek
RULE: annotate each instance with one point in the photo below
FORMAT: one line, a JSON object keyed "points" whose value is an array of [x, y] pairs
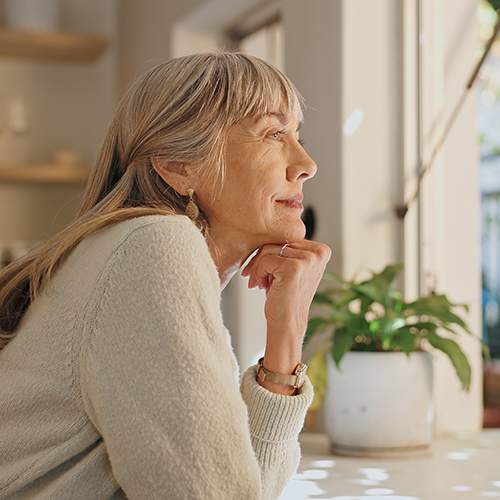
{"points": [[249, 188], [252, 191]]}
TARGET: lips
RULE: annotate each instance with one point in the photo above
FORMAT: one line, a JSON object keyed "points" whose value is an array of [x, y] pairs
{"points": [[295, 202]]}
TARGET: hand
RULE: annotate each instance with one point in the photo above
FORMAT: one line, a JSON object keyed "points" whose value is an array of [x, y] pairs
{"points": [[290, 282]]}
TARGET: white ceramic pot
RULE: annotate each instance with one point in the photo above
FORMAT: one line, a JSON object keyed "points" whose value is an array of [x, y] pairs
{"points": [[380, 404], [33, 15]]}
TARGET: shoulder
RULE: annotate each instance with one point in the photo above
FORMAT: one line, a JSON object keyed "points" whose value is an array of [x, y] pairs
{"points": [[145, 236], [162, 237], [166, 246], [174, 228]]}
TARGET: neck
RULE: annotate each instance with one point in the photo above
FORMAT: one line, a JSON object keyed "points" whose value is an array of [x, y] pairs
{"points": [[228, 255]]}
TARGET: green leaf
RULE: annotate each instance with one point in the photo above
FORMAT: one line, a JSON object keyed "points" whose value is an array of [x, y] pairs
{"points": [[370, 291], [326, 296], [389, 330], [335, 277], [486, 351], [342, 341], [316, 371], [495, 4], [339, 316], [386, 277], [314, 325], [379, 286], [397, 303], [374, 325], [456, 355], [424, 325], [365, 304], [391, 322], [389, 325], [436, 306], [355, 325], [346, 296], [404, 340]]}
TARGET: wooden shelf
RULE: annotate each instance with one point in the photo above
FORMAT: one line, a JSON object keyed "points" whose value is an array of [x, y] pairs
{"points": [[44, 174], [53, 46]]}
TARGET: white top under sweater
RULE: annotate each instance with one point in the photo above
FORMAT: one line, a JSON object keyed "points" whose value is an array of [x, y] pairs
{"points": [[122, 382]]}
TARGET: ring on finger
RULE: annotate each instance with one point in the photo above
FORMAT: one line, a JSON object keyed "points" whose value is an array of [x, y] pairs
{"points": [[283, 249]]}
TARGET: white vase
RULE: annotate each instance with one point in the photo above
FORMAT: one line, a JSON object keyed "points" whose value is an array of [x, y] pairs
{"points": [[32, 15], [380, 404]]}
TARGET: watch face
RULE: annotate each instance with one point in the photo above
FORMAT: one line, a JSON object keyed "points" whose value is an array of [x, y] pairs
{"points": [[300, 369]]}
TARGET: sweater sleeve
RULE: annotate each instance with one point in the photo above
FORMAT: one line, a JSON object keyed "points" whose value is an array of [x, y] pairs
{"points": [[159, 378], [275, 422]]}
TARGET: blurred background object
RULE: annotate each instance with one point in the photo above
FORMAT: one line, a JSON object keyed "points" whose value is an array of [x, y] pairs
{"points": [[488, 127], [33, 15], [379, 78]]}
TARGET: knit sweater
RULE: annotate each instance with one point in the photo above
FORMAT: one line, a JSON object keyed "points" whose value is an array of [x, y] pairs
{"points": [[122, 383]]}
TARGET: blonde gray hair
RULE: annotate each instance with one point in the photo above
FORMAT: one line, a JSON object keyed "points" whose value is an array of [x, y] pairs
{"points": [[181, 111]]}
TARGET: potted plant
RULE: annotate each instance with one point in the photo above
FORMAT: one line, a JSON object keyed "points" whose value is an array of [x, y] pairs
{"points": [[374, 370]]}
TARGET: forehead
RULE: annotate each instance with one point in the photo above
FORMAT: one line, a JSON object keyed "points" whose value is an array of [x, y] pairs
{"points": [[285, 119]]}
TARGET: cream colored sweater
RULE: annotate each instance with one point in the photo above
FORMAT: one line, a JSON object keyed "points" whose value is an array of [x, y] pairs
{"points": [[122, 382]]}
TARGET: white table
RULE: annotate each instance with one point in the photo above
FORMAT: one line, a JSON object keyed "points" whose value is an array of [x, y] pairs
{"points": [[462, 467]]}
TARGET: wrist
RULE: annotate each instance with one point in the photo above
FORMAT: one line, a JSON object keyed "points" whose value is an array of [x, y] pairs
{"points": [[281, 360], [285, 390], [283, 348], [281, 382]]}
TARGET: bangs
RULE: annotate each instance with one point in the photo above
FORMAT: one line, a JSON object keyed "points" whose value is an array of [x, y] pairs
{"points": [[258, 89]]}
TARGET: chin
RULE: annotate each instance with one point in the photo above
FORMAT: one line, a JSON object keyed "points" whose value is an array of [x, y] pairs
{"points": [[295, 232]]}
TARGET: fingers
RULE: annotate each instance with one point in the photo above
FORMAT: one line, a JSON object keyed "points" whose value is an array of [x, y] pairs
{"points": [[299, 250], [269, 250], [260, 270], [267, 264]]}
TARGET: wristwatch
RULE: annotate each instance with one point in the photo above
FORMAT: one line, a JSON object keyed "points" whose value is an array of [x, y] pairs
{"points": [[296, 380]]}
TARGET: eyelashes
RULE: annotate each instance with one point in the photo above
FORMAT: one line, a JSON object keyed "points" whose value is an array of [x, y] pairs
{"points": [[276, 136]]}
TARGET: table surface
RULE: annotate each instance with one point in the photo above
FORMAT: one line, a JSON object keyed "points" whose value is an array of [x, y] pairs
{"points": [[465, 466]]}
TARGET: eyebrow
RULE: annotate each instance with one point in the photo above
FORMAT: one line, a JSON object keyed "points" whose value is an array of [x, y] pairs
{"points": [[284, 120]]}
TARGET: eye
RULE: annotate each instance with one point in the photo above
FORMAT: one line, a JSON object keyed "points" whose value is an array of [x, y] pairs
{"points": [[301, 142], [276, 135]]}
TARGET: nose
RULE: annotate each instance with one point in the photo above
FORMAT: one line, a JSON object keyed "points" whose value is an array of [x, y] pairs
{"points": [[302, 166]]}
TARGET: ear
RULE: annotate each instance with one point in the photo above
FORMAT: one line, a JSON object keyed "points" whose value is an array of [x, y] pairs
{"points": [[176, 174]]}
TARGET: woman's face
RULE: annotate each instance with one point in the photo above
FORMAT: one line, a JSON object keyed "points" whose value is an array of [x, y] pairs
{"points": [[261, 199]]}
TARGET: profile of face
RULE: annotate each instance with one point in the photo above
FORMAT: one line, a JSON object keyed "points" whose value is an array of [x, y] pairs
{"points": [[261, 197]]}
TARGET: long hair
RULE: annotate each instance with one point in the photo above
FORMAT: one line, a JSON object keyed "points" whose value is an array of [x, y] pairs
{"points": [[181, 111]]}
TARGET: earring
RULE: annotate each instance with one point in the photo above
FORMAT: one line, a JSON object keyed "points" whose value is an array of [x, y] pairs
{"points": [[192, 210]]}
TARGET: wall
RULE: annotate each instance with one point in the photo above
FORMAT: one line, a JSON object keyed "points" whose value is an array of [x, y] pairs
{"points": [[442, 249], [67, 106], [146, 34], [371, 154], [459, 264]]}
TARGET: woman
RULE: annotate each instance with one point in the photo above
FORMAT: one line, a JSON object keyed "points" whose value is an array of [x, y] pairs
{"points": [[118, 378]]}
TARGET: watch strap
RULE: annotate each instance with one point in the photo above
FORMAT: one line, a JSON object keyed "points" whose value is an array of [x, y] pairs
{"points": [[296, 380]]}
